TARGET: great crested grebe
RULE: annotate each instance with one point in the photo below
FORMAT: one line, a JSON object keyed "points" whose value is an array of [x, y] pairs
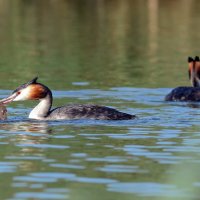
{"points": [[37, 91], [186, 93]]}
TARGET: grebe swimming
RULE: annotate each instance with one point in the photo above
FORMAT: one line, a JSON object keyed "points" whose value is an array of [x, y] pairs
{"points": [[185, 93], [37, 91]]}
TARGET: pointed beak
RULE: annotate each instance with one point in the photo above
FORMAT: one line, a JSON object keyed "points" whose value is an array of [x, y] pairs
{"points": [[8, 99]]}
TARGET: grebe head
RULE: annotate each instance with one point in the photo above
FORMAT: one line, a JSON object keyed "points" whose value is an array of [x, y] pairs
{"points": [[28, 91], [194, 71]]}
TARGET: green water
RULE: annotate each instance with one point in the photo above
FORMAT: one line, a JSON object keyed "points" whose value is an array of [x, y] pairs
{"points": [[135, 43], [126, 54]]}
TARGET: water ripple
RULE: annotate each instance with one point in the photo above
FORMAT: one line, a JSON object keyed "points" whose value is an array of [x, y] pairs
{"points": [[149, 189], [115, 155]]}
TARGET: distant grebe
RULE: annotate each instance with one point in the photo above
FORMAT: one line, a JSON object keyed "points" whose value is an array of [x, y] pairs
{"points": [[185, 93], [37, 91]]}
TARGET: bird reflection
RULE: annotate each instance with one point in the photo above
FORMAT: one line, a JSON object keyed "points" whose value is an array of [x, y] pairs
{"points": [[27, 140], [25, 126], [193, 105]]}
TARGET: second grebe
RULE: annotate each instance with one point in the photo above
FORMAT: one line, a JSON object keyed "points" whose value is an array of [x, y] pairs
{"points": [[37, 91], [185, 93]]}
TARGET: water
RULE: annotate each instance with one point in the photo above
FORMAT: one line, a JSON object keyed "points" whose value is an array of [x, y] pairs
{"points": [[124, 54], [81, 159]]}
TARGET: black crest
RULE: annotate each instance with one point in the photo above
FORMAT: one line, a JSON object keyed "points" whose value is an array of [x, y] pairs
{"points": [[197, 58], [33, 81], [190, 59]]}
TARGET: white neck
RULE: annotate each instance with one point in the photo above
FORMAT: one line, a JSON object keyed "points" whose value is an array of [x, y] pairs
{"points": [[42, 109]]}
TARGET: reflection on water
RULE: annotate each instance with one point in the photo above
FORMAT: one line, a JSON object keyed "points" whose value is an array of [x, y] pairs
{"points": [[25, 126], [124, 43]]}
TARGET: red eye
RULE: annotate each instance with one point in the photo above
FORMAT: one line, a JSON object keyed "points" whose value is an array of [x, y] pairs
{"points": [[18, 93]]}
